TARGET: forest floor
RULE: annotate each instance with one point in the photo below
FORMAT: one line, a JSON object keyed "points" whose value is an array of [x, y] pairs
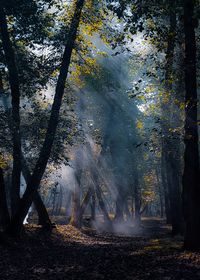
{"points": [[68, 253]]}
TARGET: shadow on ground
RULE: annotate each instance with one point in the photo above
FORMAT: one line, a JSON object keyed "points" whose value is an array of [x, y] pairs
{"points": [[68, 253]]}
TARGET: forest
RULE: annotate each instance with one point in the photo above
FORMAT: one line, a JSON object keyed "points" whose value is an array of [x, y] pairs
{"points": [[99, 145]]}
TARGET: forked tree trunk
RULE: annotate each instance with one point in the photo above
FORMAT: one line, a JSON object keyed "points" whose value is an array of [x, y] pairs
{"points": [[43, 216], [191, 175], [102, 205], [15, 92], [85, 201], [101, 202], [33, 185]]}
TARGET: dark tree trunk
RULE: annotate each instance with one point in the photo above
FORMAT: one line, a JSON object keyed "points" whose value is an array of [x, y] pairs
{"points": [[175, 197], [33, 185], [43, 216], [191, 175], [4, 214], [44, 219], [174, 187], [14, 85]]}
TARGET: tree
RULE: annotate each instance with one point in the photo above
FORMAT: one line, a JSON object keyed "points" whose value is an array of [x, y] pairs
{"points": [[14, 85], [169, 153], [191, 175], [4, 214], [40, 207], [25, 202]]}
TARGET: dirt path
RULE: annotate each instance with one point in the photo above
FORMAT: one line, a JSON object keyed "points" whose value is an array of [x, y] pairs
{"points": [[71, 254]]}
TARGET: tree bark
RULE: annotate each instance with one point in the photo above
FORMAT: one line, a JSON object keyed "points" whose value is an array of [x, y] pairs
{"points": [[43, 216], [14, 85], [25, 203], [191, 175], [174, 188], [4, 213]]}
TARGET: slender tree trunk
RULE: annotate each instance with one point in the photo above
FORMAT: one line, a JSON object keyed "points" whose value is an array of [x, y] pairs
{"points": [[127, 212], [137, 200], [102, 205], [165, 187], [191, 175], [93, 206], [76, 205], [33, 185], [14, 85], [4, 214], [119, 211], [160, 190], [68, 206], [75, 217]]}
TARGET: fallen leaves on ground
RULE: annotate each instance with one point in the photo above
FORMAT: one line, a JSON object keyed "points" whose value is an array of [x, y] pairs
{"points": [[69, 253]]}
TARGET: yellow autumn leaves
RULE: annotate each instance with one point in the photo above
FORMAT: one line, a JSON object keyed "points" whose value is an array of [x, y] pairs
{"points": [[139, 124], [3, 163]]}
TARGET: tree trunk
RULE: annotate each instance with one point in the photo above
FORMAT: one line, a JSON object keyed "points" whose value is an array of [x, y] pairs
{"points": [[119, 211], [168, 144], [127, 212], [43, 216], [160, 190], [191, 175], [4, 214], [33, 185], [102, 205], [68, 206], [15, 92], [175, 197], [76, 208], [137, 200], [165, 187], [85, 201], [93, 207]]}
